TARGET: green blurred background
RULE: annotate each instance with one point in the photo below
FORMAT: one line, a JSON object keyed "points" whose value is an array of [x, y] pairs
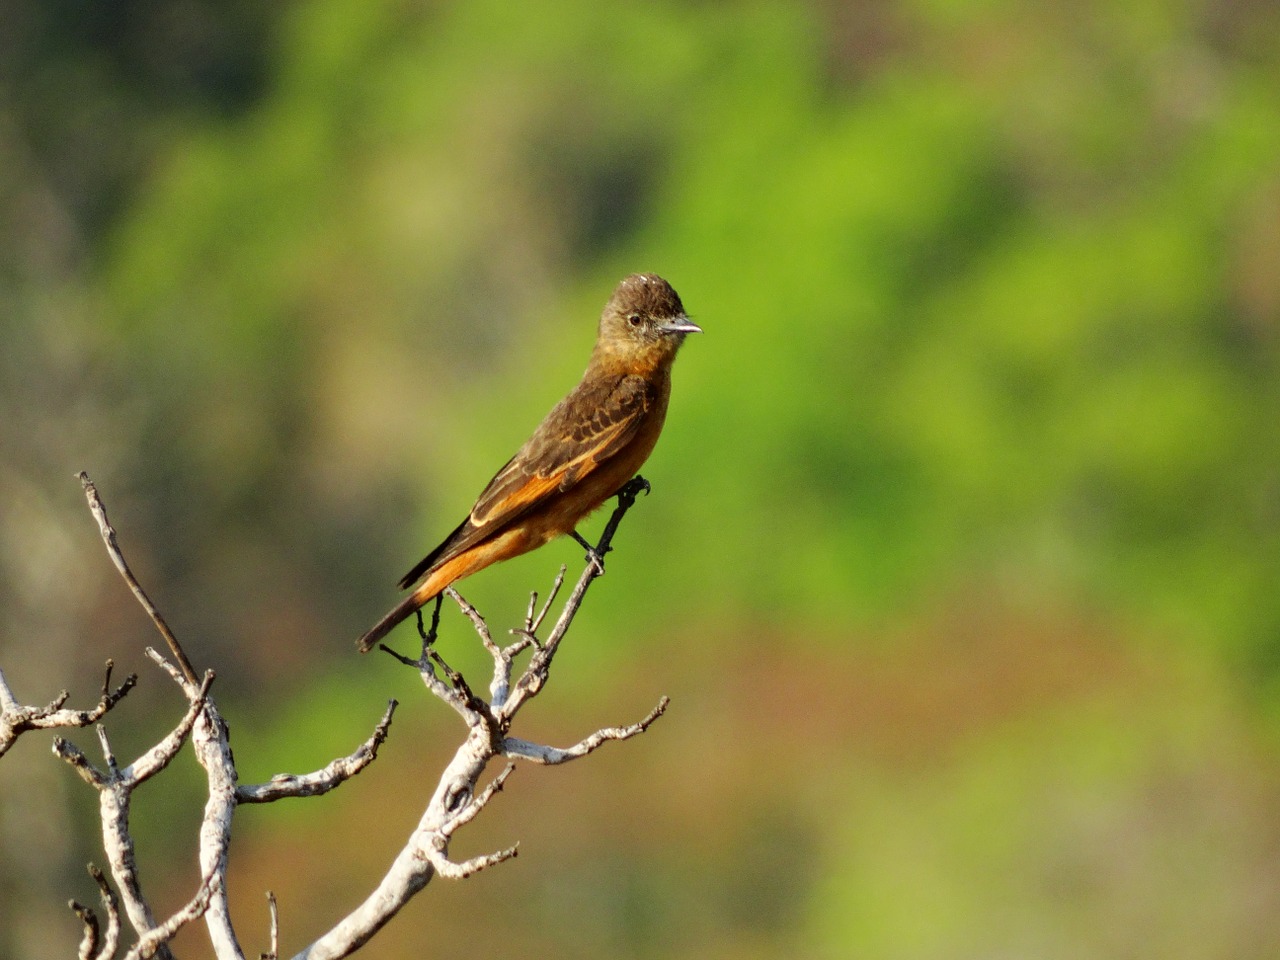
{"points": [[962, 565]]}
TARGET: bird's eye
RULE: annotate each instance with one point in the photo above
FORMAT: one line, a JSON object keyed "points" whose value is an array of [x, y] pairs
{"points": [[634, 319]]}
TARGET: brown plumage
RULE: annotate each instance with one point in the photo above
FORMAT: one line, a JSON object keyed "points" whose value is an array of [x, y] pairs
{"points": [[590, 444]]}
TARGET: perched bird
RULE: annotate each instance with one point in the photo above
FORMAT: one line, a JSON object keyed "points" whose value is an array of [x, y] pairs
{"points": [[590, 444]]}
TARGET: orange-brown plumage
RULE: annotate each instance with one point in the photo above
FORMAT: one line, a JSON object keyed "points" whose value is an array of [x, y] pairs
{"points": [[590, 444]]}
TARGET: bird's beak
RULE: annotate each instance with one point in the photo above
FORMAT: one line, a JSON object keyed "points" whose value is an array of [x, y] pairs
{"points": [[679, 325]]}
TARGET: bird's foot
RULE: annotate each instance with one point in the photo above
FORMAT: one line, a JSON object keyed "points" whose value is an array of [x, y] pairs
{"points": [[428, 634], [632, 488], [593, 556]]}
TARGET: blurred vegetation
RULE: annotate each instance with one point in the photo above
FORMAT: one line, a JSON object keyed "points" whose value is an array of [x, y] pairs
{"points": [[963, 556]]}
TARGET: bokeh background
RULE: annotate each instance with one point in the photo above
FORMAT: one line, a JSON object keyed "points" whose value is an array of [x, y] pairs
{"points": [[962, 564]]}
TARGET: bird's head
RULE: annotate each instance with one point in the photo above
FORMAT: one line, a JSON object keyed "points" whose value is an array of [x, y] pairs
{"points": [[643, 324]]}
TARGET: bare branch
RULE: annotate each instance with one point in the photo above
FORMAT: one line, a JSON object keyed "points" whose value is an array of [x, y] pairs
{"points": [[108, 532], [154, 942], [212, 742], [158, 757], [93, 944], [16, 719], [115, 791], [476, 708], [113, 768], [503, 663], [472, 614], [532, 623], [9, 703], [425, 664], [412, 868], [456, 801], [478, 803], [460, 871], [69, 752], [502, 657], [213, 751], [536, 673], [115, 788], [146, 766], [109, 903], [113, 809], [274, 910], [89, 940], [455, 693], [514, 747], [322, 781], [175, 674]]}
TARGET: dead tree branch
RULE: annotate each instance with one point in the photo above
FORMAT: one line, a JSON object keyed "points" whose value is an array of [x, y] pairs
{"points": [[322, 781], [550, 756], [113, 550], [457, 799], [16, 719], [94, 944], [115, 786]]}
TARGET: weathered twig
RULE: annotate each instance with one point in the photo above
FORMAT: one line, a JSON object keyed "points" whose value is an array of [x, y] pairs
{"points": [[425, 853], [536, 673], [89, 940], [273, 909], [115, 786], [108, 532], [531, 622], [94, 943], [456, 801], [514, 747], [426, 662], [322, 781], [472, 809], [16, 719], [477, 621], [156, 942], [460, 871], [211, 739]]}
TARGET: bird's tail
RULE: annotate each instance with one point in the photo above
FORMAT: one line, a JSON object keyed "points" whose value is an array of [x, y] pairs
{"points": [[439, 577], [401, 611]]}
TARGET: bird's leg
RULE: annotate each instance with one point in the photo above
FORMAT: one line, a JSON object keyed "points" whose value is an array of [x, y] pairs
{"points": [[626, 495], [429, 636], [593, 555]]}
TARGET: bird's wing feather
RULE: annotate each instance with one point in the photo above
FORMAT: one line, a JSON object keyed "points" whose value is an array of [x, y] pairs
{"points": [[582, 431]]}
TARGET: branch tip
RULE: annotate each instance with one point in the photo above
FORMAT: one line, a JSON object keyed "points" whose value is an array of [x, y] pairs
{"points": [[99, 511], [273, 912]]}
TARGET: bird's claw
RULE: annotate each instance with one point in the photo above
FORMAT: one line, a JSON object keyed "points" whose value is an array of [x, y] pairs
{"points": [[634, 486]]}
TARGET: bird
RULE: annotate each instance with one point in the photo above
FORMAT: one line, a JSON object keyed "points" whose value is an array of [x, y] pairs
{"points": [[584, 451]]}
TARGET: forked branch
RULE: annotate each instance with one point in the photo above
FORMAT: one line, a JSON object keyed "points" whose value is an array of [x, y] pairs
{"points": [[458, 798], [16, 719]]}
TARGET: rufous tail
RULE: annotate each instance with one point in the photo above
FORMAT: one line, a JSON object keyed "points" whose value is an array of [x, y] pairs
{"points": [[401, 611], [451, 571]]}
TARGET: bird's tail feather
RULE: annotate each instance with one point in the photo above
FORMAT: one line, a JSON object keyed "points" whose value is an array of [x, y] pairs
{"points": [[439, 577], [401, 611]]}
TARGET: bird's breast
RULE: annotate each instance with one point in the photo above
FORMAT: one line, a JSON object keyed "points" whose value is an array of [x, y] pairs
{"points": [[567, 509]]}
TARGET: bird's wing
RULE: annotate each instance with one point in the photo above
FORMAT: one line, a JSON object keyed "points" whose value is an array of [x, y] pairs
{"points": [[582, 431]]}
